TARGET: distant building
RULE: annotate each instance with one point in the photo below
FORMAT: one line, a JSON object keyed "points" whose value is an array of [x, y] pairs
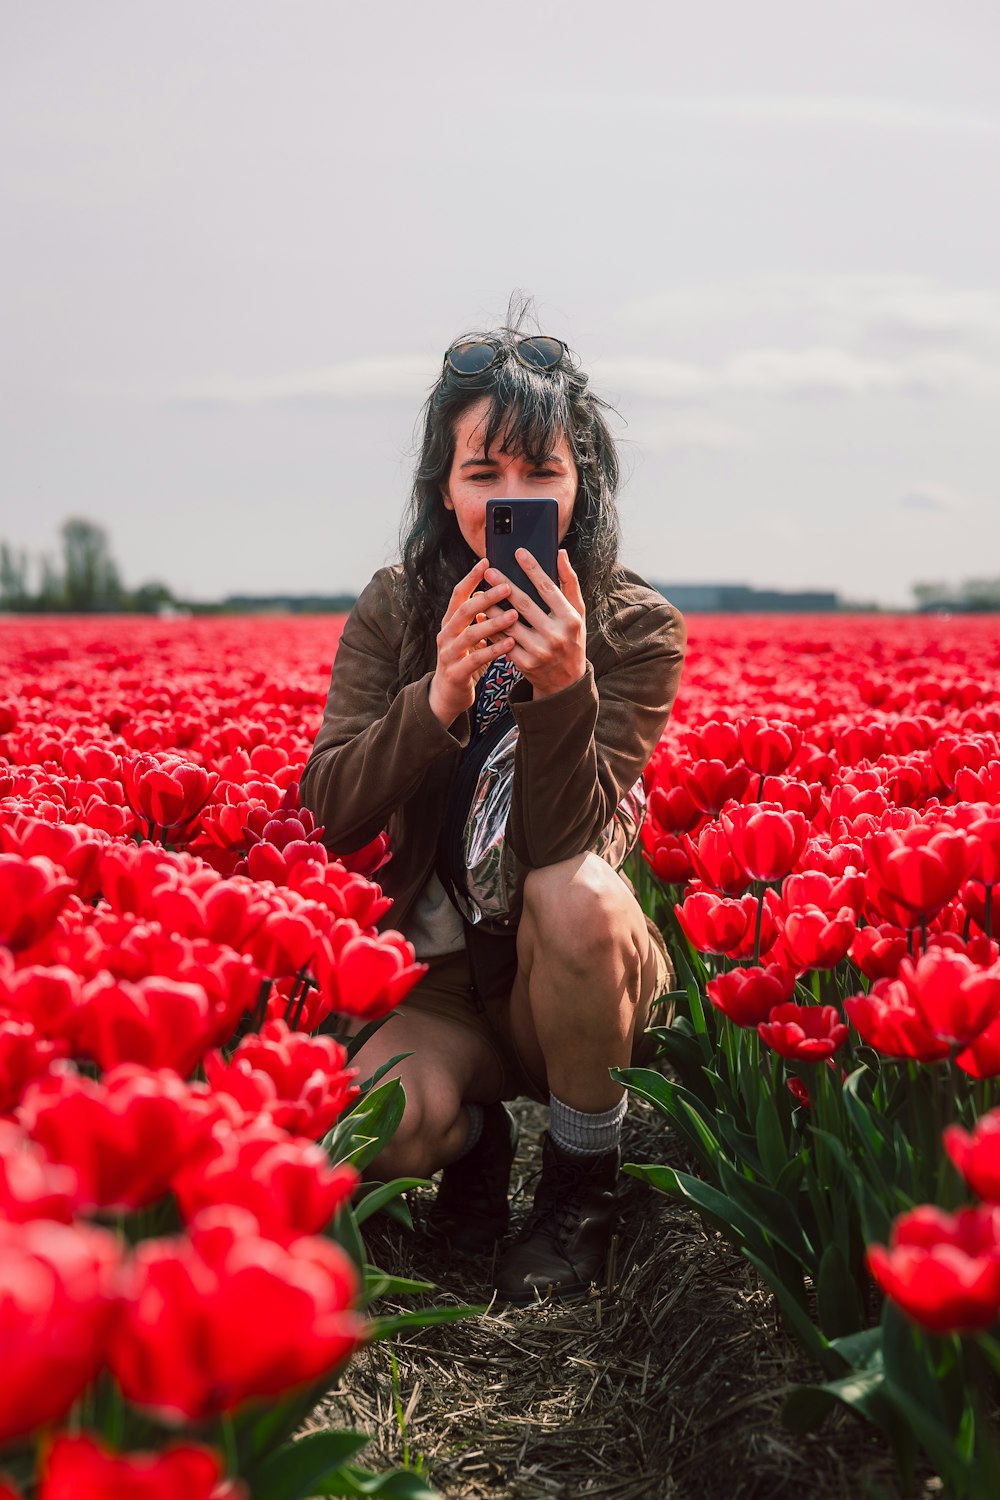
{"points": [[742, 599]]}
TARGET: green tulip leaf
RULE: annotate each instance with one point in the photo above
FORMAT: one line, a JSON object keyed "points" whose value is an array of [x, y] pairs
{"points": [[300, 1469]]}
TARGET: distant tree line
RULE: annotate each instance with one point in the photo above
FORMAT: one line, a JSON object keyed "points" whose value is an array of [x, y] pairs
{"points": [[83, 580], [974, 596]]}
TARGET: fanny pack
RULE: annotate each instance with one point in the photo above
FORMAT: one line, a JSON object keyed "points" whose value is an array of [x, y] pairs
{"points": [[477, 867]]}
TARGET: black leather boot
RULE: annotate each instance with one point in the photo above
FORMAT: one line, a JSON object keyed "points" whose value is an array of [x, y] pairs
{"points": [[564, 1244], [471, 1211]]}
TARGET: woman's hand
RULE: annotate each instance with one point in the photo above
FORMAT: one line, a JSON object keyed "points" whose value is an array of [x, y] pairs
{"points": [[476, 629], [550, 650]]}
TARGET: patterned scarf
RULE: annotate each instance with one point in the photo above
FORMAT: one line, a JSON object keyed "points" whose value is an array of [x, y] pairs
{"points": [[491, 695]]}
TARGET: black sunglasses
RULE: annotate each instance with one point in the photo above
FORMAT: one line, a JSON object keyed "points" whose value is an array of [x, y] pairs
{"points": [[539, 352]]}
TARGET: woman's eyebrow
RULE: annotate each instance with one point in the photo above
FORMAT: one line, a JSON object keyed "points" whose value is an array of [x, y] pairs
{"points": [[479, 463]]}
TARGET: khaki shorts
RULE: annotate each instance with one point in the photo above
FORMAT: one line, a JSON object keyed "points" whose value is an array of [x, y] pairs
{"points": [[447, 990]]}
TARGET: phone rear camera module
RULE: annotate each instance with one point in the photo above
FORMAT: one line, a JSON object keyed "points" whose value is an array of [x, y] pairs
{"points": [[503, 520]]}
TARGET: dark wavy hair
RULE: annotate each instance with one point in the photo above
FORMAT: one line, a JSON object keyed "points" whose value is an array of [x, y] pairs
{"points": [[529, 409]]}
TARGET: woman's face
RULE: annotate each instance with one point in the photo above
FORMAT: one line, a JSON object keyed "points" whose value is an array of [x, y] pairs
{"points": [[474, 479]]}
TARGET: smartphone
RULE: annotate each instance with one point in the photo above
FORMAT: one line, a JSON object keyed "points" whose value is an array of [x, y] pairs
{"points": [[529, 523]]}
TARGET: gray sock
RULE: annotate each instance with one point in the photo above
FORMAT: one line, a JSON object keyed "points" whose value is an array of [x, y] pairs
{"points": [[582, 1133]]}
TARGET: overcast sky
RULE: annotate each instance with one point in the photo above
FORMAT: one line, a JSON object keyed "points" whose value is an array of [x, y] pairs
{"points": [[237, 237]]}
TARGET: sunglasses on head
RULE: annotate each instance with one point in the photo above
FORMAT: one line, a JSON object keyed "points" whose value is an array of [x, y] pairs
{"points": [[538, 352]]}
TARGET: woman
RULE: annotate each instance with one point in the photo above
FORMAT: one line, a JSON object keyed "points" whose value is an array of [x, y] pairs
{"points": [[434, 647]]}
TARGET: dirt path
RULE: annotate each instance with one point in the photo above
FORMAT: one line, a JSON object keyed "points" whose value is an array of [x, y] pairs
{"points": [[669, 1386]]}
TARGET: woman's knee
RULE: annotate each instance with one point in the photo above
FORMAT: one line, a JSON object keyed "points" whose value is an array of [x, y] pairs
{"points": [[426, 1135], [582, 911]]}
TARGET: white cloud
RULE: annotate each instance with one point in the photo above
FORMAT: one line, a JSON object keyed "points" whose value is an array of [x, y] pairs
{"points": [[832, 309], [785, 109], [931, 499], [817, 371], [395, 375]]}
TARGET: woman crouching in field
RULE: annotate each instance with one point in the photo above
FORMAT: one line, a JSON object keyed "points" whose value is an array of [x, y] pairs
{"points": [[546, 984]]}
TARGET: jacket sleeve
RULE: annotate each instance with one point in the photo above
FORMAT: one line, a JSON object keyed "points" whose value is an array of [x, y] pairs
{"points": [[370, 754], [580, 750]]}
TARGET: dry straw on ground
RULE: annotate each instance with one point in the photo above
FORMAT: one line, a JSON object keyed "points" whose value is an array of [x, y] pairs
{"points": [[668, 1385]]}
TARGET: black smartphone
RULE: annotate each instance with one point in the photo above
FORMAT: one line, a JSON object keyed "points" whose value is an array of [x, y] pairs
{"points": [[529, 523]]}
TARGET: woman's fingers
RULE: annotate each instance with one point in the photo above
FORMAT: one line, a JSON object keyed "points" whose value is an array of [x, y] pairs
{"points": [[464, 587]]}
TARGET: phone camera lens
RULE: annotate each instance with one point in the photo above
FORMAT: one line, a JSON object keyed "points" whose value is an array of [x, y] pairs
{"points": [[503, 520]]}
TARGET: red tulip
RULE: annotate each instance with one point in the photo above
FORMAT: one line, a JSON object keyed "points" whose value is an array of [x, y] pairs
{"points": [[165, 790], [977, 1154], [830, 893], [815, 939], [311, 1085], [341, 892], [79, 1468], [666, 855], [715, 862], [288, 1185], [213, 1319], [124, 1137], [941, 1002], [369, 858], [943, 1269], [32, 894], [921, 867], [748, 996], [717, 739], [364, 976], [32, 1187], [161, 1023], [674, 809], [804, 1033], [57, 1306], [711, 783], [73, 850], [768, 747], [765, 839], [713, 924], [878, 951], [23, 1056]]}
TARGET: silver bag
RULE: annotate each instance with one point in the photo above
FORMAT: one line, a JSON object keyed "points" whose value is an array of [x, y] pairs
{"points": [[493, 873]]}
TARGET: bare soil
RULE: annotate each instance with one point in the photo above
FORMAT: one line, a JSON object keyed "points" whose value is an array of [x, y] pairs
{"points": [[668, 1383]]}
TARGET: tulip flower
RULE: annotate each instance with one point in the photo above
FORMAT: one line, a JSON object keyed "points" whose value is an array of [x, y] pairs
{"points": [[33, 891], [365, 976], [815, 939], [341, 891], [73, 850], [124, 1137], [977, 1154], [222, 1315], [765, 839], [308, 1086], [768, 747], [161, 1023], [674, 809], [715, 863], [665, 854], [288, 1185], [80, 1468], [943, 1269], [878, 951], [23, 1056], [58, 1288], [711, 784], [714, 925], [716, 739], [31, 1186], [940, 1003], [748, 996], [165, 790], [922, 867], [804, 1033]]}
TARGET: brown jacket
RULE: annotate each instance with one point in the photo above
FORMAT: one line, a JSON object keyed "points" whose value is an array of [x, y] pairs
{"points": [[378, 764]]}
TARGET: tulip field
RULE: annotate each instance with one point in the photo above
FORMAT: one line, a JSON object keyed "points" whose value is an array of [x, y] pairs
{"points": [[182, 960]]}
